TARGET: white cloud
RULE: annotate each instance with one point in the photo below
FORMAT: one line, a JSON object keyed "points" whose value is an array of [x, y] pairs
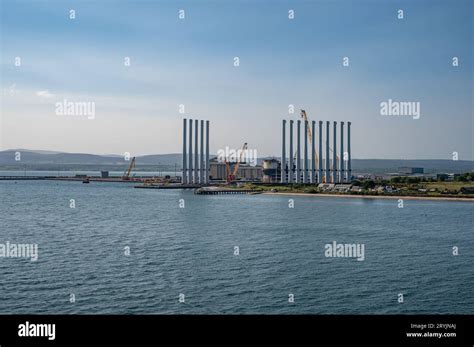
{"points": [[44, 94]]}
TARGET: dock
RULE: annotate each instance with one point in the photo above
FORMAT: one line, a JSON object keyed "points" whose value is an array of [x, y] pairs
{"points": [[168, 186], [219, 191], [82, 178], [25, 178]]}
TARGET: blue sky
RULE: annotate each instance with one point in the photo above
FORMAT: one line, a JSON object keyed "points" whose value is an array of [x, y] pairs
{"points": [[282, 62]]}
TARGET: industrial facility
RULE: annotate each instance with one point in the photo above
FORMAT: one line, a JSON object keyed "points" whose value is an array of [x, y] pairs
{"points": [[271, 171], [305, 161], [198, 169], [220, 171], [298, 166]]}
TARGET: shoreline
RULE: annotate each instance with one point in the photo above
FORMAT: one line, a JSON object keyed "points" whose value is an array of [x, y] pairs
{"points": [[393, 197]]}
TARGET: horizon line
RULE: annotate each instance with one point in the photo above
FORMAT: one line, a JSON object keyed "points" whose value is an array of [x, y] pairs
{"points": [[54, 152]]}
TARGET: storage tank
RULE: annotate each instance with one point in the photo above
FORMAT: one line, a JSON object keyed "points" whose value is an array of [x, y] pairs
{"points": [[271, 171]]}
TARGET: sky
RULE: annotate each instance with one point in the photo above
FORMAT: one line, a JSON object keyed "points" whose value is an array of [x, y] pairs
{"points": [[282, 62]]}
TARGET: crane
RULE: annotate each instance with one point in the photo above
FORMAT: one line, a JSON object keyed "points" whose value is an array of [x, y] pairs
{"points": [[310, 135], [305, 117], [231, 176], [126, 174]]}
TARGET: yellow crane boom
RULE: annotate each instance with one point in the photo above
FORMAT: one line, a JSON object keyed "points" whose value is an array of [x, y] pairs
{"points": [[126, 174], [236, 167], [305, 117], [310, 135]]}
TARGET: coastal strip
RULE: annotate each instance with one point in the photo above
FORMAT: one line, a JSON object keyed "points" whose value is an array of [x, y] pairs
{"points": [[393, 197]]}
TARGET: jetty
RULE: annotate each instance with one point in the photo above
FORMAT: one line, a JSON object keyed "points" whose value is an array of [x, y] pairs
{"points": [[219, 191]]}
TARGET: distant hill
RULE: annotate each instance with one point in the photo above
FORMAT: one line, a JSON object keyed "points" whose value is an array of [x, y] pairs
{"points": [[29, 157], [36, 151], [48, 160]]}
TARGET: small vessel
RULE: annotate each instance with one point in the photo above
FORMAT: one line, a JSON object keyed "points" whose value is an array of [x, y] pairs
{"points": [[86, 180]]}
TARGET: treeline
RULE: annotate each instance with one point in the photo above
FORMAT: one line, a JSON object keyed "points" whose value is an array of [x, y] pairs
{"points": [[371, 184], [465, 177]]}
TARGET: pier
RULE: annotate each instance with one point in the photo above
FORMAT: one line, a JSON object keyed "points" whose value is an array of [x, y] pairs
{"points": [[25, 178], [219, 191], [81, 178], [168, 186]]}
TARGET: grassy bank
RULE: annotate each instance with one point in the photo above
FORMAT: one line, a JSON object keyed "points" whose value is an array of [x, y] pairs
{"points": [[425, 189]]}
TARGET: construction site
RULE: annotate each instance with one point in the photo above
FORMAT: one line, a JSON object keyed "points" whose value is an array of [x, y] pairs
{"points": [[298, 166], [302, 161], [315, 158]]}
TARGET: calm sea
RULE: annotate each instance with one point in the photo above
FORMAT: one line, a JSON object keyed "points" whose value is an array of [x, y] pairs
{"points": [[192, 251]]}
